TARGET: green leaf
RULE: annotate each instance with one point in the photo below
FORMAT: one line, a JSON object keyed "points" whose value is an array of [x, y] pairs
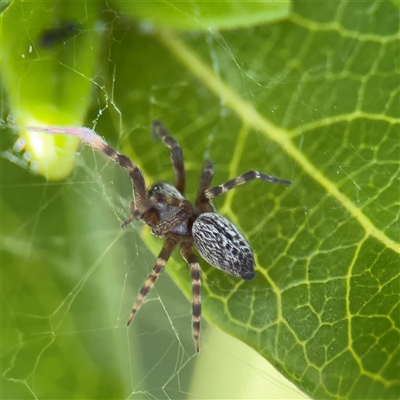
{"points": [[203, 15], [47, 61], [313, 99]]}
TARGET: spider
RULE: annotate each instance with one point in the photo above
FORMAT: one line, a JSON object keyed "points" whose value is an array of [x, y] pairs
{"points": [[165, 210]]}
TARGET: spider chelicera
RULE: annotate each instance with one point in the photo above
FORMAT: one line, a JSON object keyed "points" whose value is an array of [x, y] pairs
{"points": [[164, 208]]}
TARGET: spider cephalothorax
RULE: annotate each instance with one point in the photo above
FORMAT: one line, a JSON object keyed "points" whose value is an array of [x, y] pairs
{"points": [[164, 208]]}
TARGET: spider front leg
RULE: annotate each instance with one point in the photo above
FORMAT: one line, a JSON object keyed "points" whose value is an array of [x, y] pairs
{"points": [[94, 140], [131, 217], [162, 259], [159, 130], [240, 180], [190, 258], [149, 217]]}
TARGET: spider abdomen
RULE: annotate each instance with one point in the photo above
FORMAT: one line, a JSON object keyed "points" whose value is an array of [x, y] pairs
{"points": [[223, 246]]}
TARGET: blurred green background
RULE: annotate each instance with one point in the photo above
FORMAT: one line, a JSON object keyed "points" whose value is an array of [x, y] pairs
{"points": [[302, 91]]}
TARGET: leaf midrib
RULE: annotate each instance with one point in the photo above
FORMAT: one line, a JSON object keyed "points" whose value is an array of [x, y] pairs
{"points": [[254, 119]]}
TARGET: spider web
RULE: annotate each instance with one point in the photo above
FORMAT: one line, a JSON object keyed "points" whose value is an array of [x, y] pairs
{"points": [[71, 274]]}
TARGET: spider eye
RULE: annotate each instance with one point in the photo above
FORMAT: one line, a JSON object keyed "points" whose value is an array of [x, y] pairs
{"points": [[223, 246], [154, 189], [164, 188]]}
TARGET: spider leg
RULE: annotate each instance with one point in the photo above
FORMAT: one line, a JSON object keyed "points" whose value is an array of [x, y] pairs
{"points": [[202, 203], [190, 258], [131, 217], [240, 180], [128, 221], [207, 173], [97, 142], [159, 130], [149, 217], [162, 259]]}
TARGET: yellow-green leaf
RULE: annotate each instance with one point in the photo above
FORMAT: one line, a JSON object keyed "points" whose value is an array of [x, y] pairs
{"points": [[203, 15], [49, 60]]}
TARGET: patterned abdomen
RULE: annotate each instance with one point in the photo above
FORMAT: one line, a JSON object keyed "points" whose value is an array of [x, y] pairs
{"points": [[223, 246]]}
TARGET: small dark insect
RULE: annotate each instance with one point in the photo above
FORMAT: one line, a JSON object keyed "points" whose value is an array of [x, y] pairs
{"points": [[50, 37], [164, 208]]}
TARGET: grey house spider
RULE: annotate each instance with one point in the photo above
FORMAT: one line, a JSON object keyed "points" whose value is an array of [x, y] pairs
{"points": [[169, 215]]}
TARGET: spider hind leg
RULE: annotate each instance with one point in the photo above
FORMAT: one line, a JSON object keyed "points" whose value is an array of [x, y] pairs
{"points": [[190, 258], [162, 259]]}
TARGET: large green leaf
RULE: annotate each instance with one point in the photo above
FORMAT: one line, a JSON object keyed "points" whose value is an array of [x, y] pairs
{"points": [[313, 99]]}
